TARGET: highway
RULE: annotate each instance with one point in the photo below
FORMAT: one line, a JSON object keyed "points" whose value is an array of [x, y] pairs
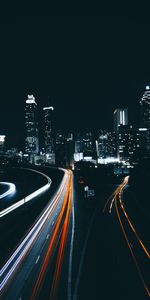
{"points": [[94, 249], [139, 251], [107, 269], [22, 276]]}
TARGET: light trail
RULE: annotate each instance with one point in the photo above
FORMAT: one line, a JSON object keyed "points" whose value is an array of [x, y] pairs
{"points": [[11, 208], [29, 197], [133, 228], [62, 245], [132, 253], [51, 246], [111, 198], [108, 200], [22, 250], [11, 190], [118, 200]]}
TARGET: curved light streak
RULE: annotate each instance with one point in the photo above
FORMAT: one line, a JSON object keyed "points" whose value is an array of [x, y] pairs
{"points": [[29, 197], [117, 199], [133, 228], [13, 262], [11, 189], [48, 254], [132, 253]]}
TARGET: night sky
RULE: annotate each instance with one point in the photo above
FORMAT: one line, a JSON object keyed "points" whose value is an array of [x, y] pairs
{"points": [[85, 66]]}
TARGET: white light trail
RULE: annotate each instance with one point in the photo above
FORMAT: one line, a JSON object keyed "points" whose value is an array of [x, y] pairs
{"points": [[37, 193], [11, 208], [11, 189], [27, 198], [25, 245]]}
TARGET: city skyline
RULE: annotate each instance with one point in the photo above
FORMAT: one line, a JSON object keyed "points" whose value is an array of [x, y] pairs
{"points": [[74, 157], [78, 61], [44, 143], [90, 115]]}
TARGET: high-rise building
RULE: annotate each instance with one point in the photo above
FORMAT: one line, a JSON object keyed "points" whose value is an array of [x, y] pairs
{"points": [[84, 143], [145, 114], [129, 142], [87, 142], [106, 144], [31, 126], [64, 149], [120, 118], [103, 144], [2, 142], [78, 143], [145, 108], [48, 130], [60, 148], [78, 155]]}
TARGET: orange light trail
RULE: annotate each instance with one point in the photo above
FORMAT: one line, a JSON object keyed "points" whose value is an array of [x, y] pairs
{"points": [[133, 229], [117, 194], [55, 234], [133, 256], [61, 248]]}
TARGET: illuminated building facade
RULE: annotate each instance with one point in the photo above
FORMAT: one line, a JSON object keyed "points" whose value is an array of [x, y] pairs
{"points": [[145, 114], [130, 141], [120, 117], [2, 142], [145, 109], [87, 143], [48, 130], [31, 126], [106, 144], [64, 149]]}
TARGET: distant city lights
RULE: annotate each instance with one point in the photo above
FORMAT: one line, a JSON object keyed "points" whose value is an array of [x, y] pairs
{"points": [[142, 129], [108, 160], [50, 107], [2, 138]]}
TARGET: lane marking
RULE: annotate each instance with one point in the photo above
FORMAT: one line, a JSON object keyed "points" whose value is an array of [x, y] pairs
{"points": [[37, 259]]}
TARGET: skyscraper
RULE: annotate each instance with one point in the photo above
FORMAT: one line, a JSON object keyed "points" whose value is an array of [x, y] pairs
{"points": [[106, 144], [145, 108], [145, 114], [2, 142], [31, 126], [128, 142], [48, 130], [120, 118], [64, 149]]}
